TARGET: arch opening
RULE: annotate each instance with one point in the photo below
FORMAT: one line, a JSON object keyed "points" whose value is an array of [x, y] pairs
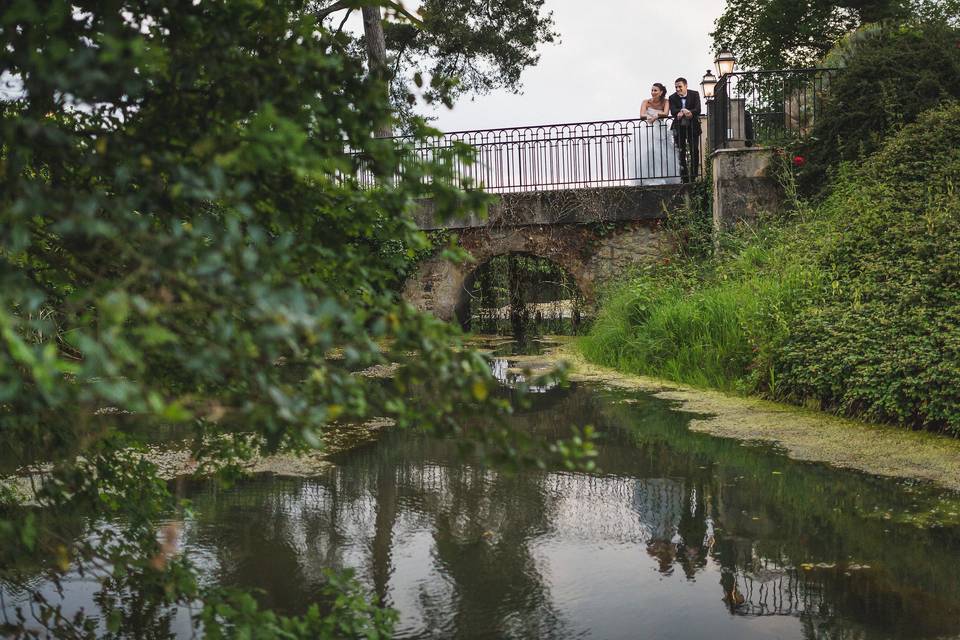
{"points": [[522, 295]]}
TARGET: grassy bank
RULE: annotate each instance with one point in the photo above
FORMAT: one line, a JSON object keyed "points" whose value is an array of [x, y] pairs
{"points": [[852, 306]]}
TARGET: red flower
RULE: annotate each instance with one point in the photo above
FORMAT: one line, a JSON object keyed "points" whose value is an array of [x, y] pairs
{"points": [[799, 161]]}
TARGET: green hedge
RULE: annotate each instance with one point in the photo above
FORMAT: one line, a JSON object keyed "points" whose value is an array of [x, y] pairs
{"points": [[885, 341]]}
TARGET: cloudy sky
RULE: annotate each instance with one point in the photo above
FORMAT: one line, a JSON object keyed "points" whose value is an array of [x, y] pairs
{"points": [[610, 52]]}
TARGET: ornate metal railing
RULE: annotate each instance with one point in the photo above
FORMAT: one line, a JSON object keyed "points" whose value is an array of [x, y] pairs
{"points": [[767, 107], [561, 156]]}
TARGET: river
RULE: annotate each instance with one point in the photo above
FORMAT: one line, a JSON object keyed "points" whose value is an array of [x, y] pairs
{"points": [[680, 535]]}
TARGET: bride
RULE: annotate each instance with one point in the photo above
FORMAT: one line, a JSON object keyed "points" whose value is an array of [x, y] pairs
{"points": [[657, 153]]}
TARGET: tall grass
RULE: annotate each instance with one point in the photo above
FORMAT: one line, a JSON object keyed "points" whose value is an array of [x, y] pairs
{"points": [[653, 328], [709, 322]]}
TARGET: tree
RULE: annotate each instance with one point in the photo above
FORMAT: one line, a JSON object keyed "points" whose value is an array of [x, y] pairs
{"points": [[450, 48], [890, 76], [778, 34], [183, 239]]}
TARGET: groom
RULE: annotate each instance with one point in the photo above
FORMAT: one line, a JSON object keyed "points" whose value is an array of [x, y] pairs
{"points": [[685, 109]]}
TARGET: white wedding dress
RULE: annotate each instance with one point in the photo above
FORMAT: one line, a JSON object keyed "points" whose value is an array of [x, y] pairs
{"points": [[657, 161]]}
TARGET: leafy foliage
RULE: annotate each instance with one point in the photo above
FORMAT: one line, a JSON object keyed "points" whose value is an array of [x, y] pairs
{"points": [[890, 76], [885, 341], [461, 47], [182, 238], [778, 34]]}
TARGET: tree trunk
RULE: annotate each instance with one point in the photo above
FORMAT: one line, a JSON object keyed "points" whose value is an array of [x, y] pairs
{"points": [[377, 56], [518, 298]]}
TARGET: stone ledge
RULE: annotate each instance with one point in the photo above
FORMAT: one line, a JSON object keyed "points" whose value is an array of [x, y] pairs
{"points": [[566, 206]]}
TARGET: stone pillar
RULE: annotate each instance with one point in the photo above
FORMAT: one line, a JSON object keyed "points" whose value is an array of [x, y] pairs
{"points": [[736, 123], [743, 187]]}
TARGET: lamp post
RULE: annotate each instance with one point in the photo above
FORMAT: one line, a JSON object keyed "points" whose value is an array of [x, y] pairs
{"points": [[730, 120], [708, 83], [725, 61]]}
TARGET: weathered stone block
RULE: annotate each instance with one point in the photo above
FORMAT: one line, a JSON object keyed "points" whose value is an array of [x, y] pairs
{"points": [[743, 187]]}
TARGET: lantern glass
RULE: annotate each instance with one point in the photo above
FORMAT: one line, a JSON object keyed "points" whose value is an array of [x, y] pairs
{"points": [[708, 83], [725, 62]]}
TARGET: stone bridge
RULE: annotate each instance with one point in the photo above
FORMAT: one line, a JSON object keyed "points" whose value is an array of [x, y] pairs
{"points": [[577, 194], [593, 233]]}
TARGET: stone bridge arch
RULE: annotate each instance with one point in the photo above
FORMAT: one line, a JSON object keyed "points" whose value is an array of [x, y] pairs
{"points": [[590, 253]]}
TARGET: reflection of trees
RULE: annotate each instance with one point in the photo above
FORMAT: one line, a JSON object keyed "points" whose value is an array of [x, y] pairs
{"points": [[482, 539], [482, 523], [697, 505], [792, 537], [676, 482]]}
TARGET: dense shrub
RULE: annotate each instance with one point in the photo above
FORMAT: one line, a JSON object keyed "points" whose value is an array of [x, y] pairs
{"points": [[885, 342], [891, 75]]}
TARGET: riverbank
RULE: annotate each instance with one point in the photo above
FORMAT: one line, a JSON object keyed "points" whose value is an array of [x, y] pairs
{"points": [[848, 304], [803, 434]]}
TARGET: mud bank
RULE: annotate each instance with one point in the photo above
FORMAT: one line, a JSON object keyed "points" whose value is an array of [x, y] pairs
{"points": [[803, 434], [172, 463], [176, 461]]}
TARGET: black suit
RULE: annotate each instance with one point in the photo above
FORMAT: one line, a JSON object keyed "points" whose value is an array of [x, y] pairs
{"points": [[686, 133]]}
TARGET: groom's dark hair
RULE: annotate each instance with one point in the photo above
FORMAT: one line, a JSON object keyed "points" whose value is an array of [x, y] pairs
{"points": [[683, 80]]}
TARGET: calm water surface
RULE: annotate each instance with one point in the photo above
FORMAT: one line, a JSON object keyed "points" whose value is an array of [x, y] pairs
{"points": [[682, 535]]}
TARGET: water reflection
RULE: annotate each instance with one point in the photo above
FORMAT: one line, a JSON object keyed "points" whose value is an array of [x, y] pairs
{"points": [[681, 536], [512, 376]]}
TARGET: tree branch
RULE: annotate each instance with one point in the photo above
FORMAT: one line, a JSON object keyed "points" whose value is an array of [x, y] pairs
{"points": [[344, 21], [336, 6]]}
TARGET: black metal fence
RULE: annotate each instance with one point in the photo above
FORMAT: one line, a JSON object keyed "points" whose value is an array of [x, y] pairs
{"points": [[562, 156], [767, 107]]}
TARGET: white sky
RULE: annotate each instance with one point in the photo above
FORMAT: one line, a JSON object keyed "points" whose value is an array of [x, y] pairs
{"points": [[609, 54]]}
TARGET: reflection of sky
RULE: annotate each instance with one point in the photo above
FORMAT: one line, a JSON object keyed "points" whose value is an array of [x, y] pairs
{"points": [[11, 86], [500, 368], [590, 553], [81, 591]]}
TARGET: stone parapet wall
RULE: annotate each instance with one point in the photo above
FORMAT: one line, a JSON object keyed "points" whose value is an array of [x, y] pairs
{"points": [[564, 206]]}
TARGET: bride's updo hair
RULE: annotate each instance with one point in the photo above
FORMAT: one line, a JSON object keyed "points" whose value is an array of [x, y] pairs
{"points": [[663, 90]]}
